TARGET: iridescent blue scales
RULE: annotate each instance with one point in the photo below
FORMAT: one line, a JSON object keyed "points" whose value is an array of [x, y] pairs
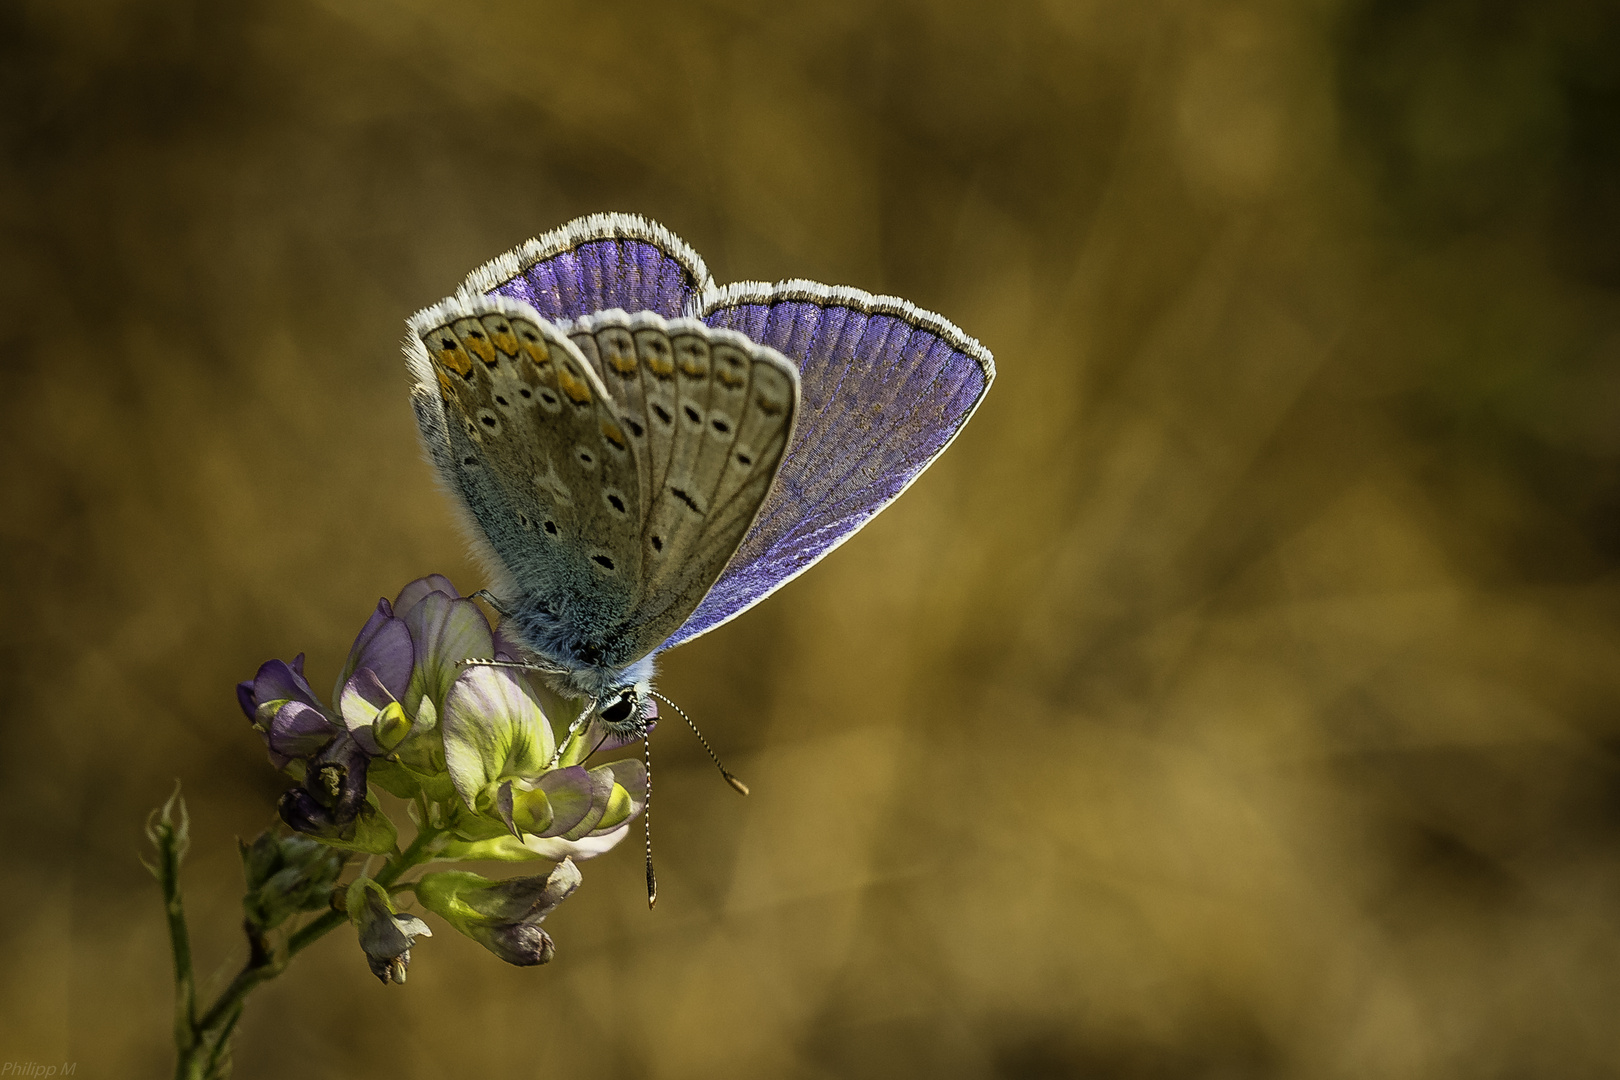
{"points": [[646, 455]]}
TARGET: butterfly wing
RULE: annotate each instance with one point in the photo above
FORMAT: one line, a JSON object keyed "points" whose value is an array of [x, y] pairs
{"points": [[617, 509], [886, 387], [710, 414], [597, 263], [521, 428]]}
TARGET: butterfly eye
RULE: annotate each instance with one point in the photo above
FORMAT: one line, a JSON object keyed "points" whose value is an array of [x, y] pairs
{"points": [[619, 711]]}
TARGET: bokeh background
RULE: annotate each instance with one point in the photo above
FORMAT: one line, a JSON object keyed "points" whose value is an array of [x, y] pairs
{"points": [[1237, 698]]}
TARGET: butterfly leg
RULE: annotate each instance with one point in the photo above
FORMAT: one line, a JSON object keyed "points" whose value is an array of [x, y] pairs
{"points": [[489, 598]]}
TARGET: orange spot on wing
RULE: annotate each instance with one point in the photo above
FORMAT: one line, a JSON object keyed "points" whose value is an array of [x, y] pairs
{"points": [[577, 389], [480, 347], [534, 346], [446, 351], [660, 363], [501, 334]]}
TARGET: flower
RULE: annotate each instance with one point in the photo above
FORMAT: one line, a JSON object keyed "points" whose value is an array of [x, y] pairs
{"points": [[493, 764], [502, 916], [520, 799], [279, 702], [415, 720], [334, 803], [446, 629], [386, 936]]}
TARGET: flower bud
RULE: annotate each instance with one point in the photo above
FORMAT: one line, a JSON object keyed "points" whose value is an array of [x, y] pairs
{"points": [[502, 916], [391, 726], [286, 875], [385, 935]]}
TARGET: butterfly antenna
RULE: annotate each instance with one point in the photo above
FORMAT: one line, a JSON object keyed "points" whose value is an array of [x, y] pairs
{"points": [[737, 785], [476, 661], [646, 823]]}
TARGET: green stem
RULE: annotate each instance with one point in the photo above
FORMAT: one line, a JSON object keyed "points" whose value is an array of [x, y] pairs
{"points": [[202, 1046], [415, 855], [171, 842]]}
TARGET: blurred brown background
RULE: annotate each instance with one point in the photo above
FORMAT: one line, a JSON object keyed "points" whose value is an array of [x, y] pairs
{"points": [[1237, 698]]}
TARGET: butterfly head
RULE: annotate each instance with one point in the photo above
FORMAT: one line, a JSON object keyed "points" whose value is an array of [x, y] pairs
{"points": [[622, 711]]}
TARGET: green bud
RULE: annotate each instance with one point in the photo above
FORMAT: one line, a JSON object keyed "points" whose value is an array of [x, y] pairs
{"points": [[619, 809], [502, 916], [286, 874], [391, 726], [531, 810]]}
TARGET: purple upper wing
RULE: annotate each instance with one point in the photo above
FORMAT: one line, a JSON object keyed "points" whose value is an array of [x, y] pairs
{"points": [[596, 263], [885, 388]]}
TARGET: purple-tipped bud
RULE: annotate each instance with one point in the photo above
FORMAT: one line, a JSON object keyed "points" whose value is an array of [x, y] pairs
{"points": [[385, 935], [502, 916]]}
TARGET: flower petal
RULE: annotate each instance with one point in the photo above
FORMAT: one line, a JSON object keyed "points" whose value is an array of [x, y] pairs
{"points": [[493, 729], [601, 795], [299, 730], [503, 808], [502, 916], [385, 935], [556, 848], [384, 646], [370, 830], [506, 649], [277, 680], [445, 631], [365, 699], [570, 794], [416, 591], [630, 785]]}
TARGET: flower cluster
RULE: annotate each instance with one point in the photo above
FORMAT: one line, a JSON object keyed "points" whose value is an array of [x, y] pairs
{"points": [[490, 763]]}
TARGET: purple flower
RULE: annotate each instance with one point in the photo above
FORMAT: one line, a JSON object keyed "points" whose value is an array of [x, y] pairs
{"points": [[281, 704], [331, 753], [474, 747], [333, 803], [280, 688]]}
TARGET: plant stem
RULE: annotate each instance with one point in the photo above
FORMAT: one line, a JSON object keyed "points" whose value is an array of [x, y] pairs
{"points": [[171, 839], [202, 1045]]}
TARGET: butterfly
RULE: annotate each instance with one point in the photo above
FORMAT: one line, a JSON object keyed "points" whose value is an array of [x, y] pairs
{"points": [[644, 455]]}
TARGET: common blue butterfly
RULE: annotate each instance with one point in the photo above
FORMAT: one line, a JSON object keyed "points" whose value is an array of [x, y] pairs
{"points": [[646, 455]]}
